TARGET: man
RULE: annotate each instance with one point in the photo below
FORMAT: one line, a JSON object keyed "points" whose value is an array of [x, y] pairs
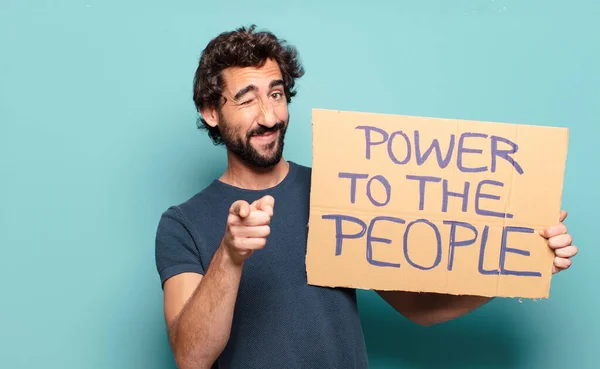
{"points": [[232, 258]]}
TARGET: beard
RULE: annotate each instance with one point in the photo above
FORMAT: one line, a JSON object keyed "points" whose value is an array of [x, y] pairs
{"points": [[241, 147]]}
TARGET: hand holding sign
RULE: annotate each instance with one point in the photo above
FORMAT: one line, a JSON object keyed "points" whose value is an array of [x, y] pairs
{"points": [[561, 242], [247, 227]]}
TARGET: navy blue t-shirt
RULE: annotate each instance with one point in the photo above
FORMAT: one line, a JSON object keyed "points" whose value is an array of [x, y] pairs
{"points": [[279, 320]]}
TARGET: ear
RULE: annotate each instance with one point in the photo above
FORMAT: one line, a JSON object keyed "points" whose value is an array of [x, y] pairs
{"points": [[210, 115]]}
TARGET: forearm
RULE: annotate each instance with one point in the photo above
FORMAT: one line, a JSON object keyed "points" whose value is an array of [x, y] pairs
{"points": [[202, 329], [432, 308]]}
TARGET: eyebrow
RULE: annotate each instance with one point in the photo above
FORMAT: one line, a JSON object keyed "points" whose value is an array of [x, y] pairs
{"points": [[245, 90], [277, 82]]}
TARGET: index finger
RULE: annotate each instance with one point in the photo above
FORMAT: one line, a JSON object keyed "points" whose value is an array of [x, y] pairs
{"points": [[554, 230]]}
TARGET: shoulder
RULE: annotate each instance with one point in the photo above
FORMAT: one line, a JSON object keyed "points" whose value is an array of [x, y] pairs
{"points": [[198, 205], [303, 172], [183, 217], [303, 168], [180, 235]]}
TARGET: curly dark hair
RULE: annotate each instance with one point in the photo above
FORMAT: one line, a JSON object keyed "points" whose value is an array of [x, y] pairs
{"points": [[242, 47]]}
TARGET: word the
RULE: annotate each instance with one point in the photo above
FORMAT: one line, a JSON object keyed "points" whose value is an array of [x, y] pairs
{"points": [[481, 191]]}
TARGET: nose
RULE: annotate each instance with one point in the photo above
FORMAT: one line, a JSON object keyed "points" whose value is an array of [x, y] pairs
{"points": [[267, 116]]}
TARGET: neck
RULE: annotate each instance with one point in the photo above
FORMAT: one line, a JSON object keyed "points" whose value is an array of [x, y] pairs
{"points": [[240, 174]]}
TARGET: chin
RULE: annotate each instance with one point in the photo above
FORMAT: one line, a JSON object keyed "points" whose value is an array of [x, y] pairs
{"points": [[268, 150], [267, 161]]}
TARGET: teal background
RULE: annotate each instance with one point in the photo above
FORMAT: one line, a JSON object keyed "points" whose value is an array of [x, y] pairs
{"points": [[98, 137]]}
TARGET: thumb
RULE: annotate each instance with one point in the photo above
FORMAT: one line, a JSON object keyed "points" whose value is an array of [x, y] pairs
{"points": [[240, 208], [563, 215], [266, 204]]}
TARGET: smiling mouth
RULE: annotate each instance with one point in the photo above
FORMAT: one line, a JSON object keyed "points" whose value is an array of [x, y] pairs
{"points": [[267, 136]]}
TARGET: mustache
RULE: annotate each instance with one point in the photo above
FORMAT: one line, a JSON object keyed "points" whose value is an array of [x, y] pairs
{"points": [[279, 126]]}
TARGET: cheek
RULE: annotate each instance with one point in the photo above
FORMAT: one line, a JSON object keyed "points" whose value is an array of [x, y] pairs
{"points": [[241, 120], [247, 119]]}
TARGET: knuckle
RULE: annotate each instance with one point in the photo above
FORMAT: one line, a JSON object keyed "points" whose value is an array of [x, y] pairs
{"points": [[237, 243], [262, 217], [555, 241], [234, 231]]}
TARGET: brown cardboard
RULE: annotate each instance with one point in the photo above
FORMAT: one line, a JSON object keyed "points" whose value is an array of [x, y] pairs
{"points": [[533, 197]]}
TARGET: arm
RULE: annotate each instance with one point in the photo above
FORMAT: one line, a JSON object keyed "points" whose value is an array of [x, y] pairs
{"points": [[431, 308], [199, 311]]}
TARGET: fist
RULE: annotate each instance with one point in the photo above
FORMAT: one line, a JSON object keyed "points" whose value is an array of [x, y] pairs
{"points": [[561, 242], [248, 226]]}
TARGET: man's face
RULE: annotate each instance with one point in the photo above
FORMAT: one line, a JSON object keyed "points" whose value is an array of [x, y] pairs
{"points": [[254, 118]]}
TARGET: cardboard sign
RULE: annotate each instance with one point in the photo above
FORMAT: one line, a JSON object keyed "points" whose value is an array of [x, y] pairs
{"points": [[433, 205]]}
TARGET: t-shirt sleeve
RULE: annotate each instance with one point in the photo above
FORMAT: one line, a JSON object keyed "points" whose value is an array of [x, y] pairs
{"points": [[175, 249]]}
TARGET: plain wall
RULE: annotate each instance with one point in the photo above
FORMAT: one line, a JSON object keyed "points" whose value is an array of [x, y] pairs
{"points": [[98, 136]]}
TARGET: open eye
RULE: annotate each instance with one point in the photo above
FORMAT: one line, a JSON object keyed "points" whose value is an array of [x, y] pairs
{"points": [[277, 95]]}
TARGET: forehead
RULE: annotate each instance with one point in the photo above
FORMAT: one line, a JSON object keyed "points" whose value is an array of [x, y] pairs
{"points": [[237, 78]]}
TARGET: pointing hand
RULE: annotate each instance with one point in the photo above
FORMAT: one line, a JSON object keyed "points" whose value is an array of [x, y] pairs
{"points": [[248, 226]]}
